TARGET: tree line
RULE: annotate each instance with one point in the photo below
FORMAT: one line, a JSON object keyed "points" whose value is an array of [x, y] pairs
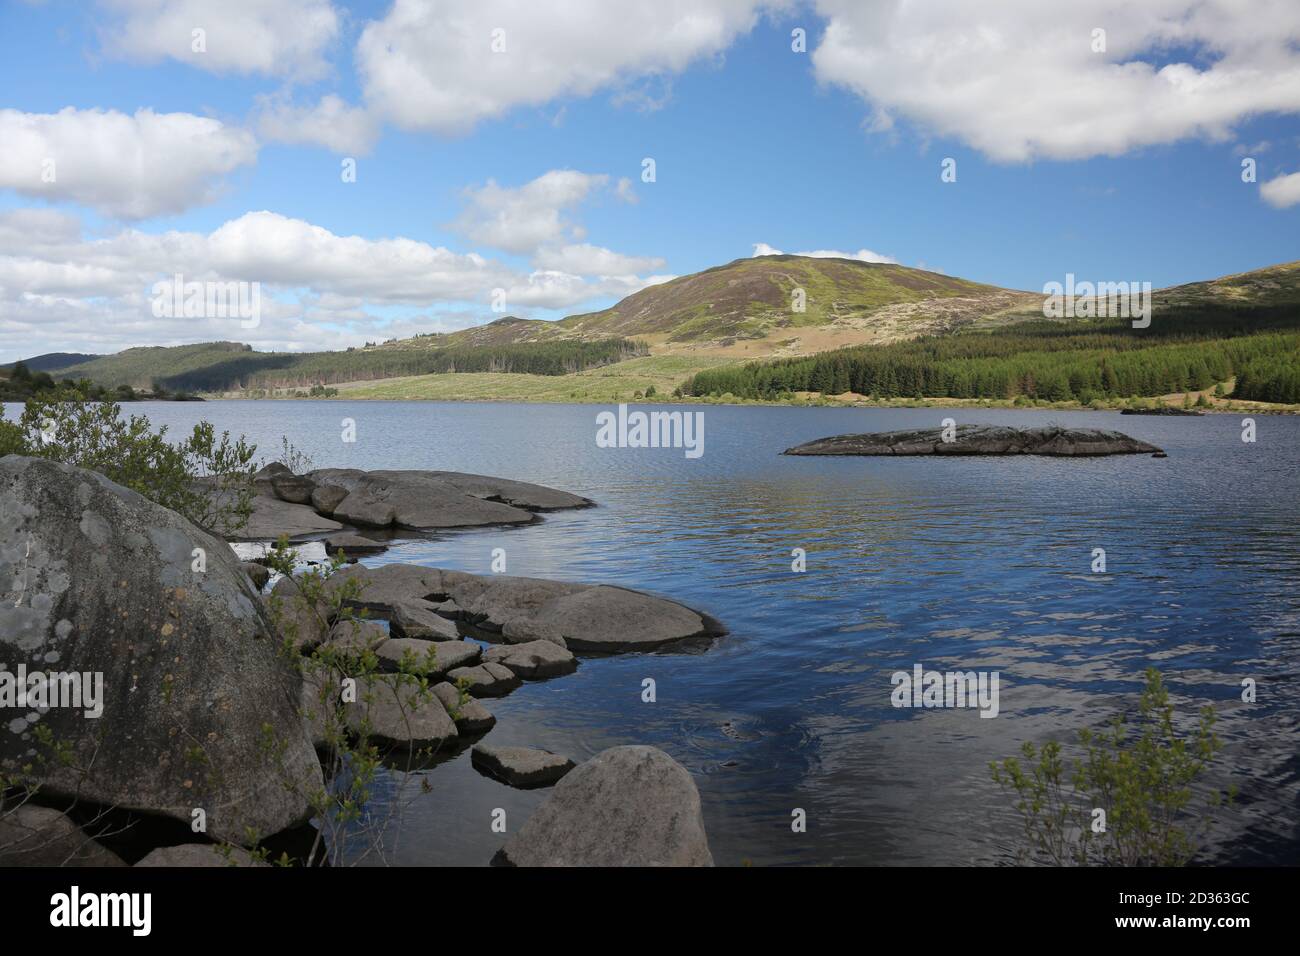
{"points": [[1076, 361]]}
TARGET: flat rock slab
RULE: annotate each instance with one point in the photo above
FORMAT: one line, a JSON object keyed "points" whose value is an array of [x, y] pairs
{"points": [[39, 836], [422, 500], [581, 617], [627, 806], [438, 657], [272, 518], [520, 767], [536, 660], [485, 680], [199, 854], [981, 440]]}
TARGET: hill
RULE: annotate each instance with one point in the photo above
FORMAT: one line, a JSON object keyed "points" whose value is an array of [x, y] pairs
{"points": [[52, 361]]}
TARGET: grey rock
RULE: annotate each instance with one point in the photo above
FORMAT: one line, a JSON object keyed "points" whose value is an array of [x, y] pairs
{"points": [[95, 579], [305, 624], [521, 767], [354, 637], [421, 619], [272, 518], [325, 498], [980, 440], [582, 617], [535, 660], [39, 836], [353, 545], [470, 716], [398, 714], [259, 574], [486, 680], [438, 499], [199, 854], [439, 657], [293, 488], [627, 806]]}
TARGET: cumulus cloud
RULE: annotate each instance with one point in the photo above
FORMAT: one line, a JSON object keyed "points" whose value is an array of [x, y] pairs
{"points": [[862, 255], [522, 219], [1282, 191], [60, 290], [431, 66], [588, 260], [282, 38], [331, 122], [1019, 79], [128, 167]]}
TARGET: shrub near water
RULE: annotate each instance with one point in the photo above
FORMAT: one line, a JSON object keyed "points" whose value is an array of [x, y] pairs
{"points": [[1144, 785], [68, 427]]}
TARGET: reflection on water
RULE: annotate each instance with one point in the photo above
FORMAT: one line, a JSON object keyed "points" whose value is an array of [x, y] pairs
{"points": [[955, 564]]}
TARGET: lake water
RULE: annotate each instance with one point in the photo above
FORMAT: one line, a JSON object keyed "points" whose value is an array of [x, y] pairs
{"points": [[955, 564]]}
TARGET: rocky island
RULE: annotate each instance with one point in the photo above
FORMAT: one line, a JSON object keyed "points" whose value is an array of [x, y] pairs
{"points": [[981, 440]]}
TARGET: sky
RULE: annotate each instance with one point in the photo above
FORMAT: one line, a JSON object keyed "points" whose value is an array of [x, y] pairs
{"points": [[382, 169]]}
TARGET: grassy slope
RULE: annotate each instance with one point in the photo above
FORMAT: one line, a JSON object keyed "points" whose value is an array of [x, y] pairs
{"points": [[611, 383]]}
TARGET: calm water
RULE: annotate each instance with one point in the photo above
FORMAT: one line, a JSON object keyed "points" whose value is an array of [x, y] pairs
{"points": [[956, 564]]}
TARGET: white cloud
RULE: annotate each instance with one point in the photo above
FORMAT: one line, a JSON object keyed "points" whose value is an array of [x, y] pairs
{"points": [[522, 219], [130, 167], [62, 291], [431, 66], [1281, 191], [862, 255], [280, 38], [1018, 79], [588, 260], [332, 123]]}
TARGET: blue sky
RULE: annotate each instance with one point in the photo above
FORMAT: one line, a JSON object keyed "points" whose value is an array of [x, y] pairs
{"points": [[1066, 162]]}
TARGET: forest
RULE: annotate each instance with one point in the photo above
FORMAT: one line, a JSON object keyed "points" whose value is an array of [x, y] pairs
{"points": [[1051, 360]]}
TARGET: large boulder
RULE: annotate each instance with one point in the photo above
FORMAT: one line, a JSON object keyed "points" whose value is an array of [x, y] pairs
{"points": [[582, 617], [159, 618], [626, 806], [395, 712], [536, 660]]}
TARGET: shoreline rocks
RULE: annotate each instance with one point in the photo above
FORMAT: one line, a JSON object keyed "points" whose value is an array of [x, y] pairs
{"points": [[319, 501], [580, 617], [981, 440]]}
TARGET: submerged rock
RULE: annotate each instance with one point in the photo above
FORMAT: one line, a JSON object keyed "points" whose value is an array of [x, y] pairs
{"points": [[521, 767], [353, 545], [627, 806], [98, 582], [583, 617], [980, 440]]}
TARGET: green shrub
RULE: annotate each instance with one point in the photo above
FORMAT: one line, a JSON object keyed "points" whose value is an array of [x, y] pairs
{"points": [[1144, 785], [205, 478]]}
